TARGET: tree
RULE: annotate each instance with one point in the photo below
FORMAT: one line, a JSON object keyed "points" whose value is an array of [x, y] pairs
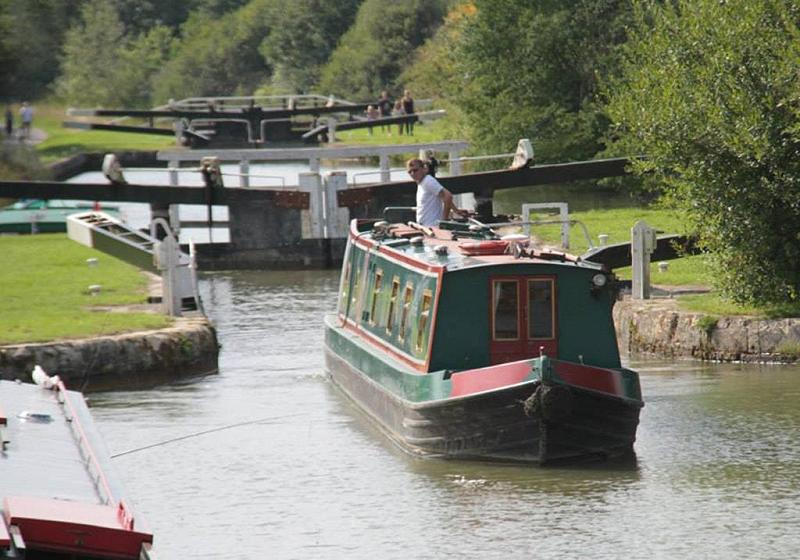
{"points": [[303, 35], [379, 45], [32, 34], [533, 72], [91, 56], [217, 55], [709, 93]]}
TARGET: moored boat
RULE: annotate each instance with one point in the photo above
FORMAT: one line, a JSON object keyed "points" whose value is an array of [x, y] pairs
{"points": [[59, 496], [44, 216], [461, 344]]}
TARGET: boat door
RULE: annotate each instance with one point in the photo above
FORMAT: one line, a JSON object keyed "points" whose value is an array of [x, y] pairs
{"points": [[522, 318]]}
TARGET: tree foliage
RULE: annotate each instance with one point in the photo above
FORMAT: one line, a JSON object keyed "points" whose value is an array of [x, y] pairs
{"points": [[302, 36], [31, 34], [374, 51], [710, 93], [533, 71], [217, 55], [91, 55]]}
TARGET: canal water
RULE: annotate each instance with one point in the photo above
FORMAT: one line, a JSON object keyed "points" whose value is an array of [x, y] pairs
{"points": [[299, 473]]}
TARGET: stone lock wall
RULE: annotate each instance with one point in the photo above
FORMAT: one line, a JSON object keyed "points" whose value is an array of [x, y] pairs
{"points": [[658, 326], [128, 360]]}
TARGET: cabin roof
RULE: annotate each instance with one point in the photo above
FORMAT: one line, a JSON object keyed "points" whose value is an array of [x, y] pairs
{"points": [[455, 246]]}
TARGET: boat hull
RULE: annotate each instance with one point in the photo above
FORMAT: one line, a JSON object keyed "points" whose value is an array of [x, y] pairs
{"points": [[532, 421]]}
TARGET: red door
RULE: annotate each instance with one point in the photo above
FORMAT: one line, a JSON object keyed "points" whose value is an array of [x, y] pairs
{"points": [[522, 318]]}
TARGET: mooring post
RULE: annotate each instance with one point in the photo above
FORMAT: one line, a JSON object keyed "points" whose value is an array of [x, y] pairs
{"points": [[643, 243]]}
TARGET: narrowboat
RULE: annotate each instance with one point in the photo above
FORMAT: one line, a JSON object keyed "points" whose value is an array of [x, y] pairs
{"points": [[462, 343], [44, 216], [59, 496]]}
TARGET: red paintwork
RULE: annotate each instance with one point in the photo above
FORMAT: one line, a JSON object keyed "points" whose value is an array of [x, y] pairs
{"points": [[489, 247], [488, 378], [521, 348], [596, 379], [73, 526], [5, 538]]}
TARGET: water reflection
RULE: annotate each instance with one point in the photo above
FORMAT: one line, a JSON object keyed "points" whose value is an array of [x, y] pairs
{"points": [[306, 476]]}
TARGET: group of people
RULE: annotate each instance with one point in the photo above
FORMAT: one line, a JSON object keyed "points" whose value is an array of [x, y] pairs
{"points": [[385, 108], [25, 119]]}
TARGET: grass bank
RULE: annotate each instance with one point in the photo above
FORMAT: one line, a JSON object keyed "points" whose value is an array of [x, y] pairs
{"points": [[44, 280], [64, 142]]}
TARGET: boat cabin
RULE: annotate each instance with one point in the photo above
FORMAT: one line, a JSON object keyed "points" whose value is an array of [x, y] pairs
{"points": [[459, 297]]}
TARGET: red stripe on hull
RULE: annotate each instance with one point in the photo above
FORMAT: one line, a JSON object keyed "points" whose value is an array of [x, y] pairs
{"points": [[486, 379], [587, 377]]}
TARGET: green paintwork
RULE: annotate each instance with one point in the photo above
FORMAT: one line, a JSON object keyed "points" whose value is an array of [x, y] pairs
{"points": [[42, 216], [585, 329]]}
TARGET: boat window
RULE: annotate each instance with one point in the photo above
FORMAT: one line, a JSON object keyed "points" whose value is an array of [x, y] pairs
{"points": [[376, 290], [408, 294], [345, 287], [392, 304], [505, 309], [540, 308], [354, 294], [424, 316]]}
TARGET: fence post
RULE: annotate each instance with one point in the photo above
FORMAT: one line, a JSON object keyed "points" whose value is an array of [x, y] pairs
{"points": [[643, 243]]}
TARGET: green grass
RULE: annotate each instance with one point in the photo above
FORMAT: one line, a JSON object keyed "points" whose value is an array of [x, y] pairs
{"points": [[63, 142], [686, 271], [431, 131], [44, 280]]}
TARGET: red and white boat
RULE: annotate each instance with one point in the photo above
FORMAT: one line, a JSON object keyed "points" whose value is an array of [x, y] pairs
{"points": [[59, 496]]}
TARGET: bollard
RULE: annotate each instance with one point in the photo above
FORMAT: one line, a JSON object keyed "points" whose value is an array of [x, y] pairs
{"points": [[643, 243]]}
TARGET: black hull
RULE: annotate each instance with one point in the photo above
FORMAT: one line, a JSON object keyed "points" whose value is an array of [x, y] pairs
{"points": [[523, 423]]}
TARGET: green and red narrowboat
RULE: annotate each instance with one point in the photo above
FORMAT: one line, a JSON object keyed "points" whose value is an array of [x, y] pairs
{"points": [[461, 344]]}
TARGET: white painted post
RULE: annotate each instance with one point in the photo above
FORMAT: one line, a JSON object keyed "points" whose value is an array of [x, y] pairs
{"points": [[167, 260], [313, 218], [337, 218], [331, 130], [244, 173], [643, 243], [313, 165], [386, 173], [174, 164], [455, 162]]}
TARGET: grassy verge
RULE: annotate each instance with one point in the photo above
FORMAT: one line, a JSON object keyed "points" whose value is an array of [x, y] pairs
{"points": [[44, 280], [63, 142], [686, 271], [431, 131]]}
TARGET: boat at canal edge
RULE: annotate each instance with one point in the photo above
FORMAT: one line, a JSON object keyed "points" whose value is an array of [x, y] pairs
{"points": [[461, 344], [60, 497]]}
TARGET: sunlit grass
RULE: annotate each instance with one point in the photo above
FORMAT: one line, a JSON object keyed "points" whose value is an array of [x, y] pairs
{"points": [[44, 281], [63, 142], [431, 131]]}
